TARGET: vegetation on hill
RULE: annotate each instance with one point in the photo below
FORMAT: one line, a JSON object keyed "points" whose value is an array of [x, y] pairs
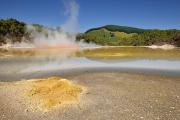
{"points": [[116, 28], [11, 29], [128, 36], [14, 31]]}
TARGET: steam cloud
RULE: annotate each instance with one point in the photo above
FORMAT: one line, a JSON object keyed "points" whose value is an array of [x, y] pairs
{"points": [[60, 36], [72, 11], [64, 36]]}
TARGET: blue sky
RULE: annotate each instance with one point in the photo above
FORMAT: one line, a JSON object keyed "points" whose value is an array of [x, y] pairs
{"points": [[163, 14]]}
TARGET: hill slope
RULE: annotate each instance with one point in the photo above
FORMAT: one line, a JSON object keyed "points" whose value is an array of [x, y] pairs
{"points": [[116, 28], [115, 35], [14, 31]]}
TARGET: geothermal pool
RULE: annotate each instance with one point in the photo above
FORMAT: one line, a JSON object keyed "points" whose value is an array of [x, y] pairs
{"points": [[89, 83], [29, 63]]}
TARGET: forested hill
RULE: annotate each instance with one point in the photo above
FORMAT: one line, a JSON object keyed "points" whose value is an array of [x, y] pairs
{"points": [[13, 31], [115, 35], [116, 28]]}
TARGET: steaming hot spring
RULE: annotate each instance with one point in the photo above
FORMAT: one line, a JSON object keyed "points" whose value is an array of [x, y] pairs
{"points": [[59, 46]]}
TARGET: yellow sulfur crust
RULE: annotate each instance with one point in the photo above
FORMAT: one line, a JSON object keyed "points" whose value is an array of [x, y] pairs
{"points": [[53, 91]]}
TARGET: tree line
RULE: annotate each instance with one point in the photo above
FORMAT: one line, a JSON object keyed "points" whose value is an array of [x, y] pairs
{"points": [[13, 31], [134, 37]]}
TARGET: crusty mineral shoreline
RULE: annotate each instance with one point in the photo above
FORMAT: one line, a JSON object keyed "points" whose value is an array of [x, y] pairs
{"points": [[110, 95], [43, 94]]}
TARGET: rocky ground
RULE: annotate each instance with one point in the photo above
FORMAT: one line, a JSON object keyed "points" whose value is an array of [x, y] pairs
{"points": [[109, 96]]}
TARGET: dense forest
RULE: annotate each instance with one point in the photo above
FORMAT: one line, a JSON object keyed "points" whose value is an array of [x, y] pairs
{"points": [[128, 36], [13, 31]]}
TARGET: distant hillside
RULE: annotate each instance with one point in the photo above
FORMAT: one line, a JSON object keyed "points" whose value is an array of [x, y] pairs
{"points": [[115, 35], [116, 28], [11, 29], [14, 31]]}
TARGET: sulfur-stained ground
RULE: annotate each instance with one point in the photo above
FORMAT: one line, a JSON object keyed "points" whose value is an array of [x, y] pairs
{"points": [[108, 96]]}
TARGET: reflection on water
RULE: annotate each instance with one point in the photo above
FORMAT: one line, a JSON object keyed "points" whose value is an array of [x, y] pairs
{"points": [[34, 60], [130, 52]]}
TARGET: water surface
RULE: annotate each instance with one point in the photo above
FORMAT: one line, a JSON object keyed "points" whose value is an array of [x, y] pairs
{"points": [[128, 59]]}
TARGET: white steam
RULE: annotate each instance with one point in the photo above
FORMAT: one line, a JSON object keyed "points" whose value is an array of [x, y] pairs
{"points": [[50, 37], [62, 36], [65, 35], [72, 11]]}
